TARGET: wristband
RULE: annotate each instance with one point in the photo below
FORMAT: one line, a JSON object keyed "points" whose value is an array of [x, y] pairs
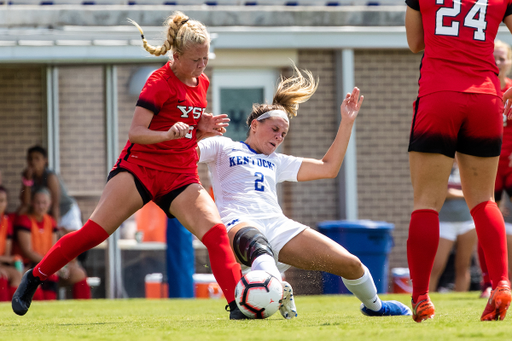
{"points": [[28, 183]]}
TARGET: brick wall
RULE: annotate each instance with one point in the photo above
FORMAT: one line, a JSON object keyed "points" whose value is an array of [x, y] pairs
{"points": [[82, 133], [388, 79], [22, 122]]}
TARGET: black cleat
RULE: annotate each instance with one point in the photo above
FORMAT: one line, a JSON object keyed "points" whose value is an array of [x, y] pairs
{"points": [[22, 298], [235, 313]]}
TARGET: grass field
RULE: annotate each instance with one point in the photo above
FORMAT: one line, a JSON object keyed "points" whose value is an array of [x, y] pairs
{"points": [[320, 318]]}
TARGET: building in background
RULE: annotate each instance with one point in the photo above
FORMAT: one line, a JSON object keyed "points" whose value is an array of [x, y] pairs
{"points": [[70, 75]]}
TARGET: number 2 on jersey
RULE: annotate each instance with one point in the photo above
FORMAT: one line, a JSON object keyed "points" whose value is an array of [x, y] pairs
{"points": [[258, 183], [479, 10]]}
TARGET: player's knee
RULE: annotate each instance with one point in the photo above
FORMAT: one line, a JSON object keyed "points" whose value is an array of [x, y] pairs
{"points": [[354, 267], [249, 243]]}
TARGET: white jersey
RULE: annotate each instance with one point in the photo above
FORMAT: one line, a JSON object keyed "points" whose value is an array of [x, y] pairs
{"points": [[244, 182]]}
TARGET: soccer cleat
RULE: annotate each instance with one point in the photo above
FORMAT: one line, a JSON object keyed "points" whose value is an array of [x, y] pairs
{"points": [[389, 308], [423, 310], [234, 312], [498, 303], [288, 309], [22, 297]]}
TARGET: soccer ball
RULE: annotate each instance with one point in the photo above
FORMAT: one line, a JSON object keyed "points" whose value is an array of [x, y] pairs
{"points": [[258, 294]]}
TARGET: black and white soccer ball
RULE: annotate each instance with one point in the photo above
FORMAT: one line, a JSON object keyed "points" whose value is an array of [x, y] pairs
{"points": [[259, 294]]}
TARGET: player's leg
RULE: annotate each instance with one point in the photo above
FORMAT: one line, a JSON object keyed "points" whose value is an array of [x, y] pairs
{"points": [[479, 146], [119, 200], [196, 210], [432, 145], [477, 176], [443, 253], [252, 249], [465, 248], [429, 176], [311, 250]]}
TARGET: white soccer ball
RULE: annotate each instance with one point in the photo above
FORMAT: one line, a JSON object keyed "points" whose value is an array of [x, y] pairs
{"points": [[259, 294]]}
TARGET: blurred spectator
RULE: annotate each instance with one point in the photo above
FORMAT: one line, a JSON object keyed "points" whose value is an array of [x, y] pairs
{"points": [[456, 228], [36, 233], [64, 208], [9, 277]]}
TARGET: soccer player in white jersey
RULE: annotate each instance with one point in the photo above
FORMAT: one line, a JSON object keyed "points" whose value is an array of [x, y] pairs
{"points": [[244, 178]]}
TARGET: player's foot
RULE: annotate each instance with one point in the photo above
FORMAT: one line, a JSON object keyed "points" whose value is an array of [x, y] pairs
{"points": [[389, 308], [288, 309], [498, 303], [22, 297], [423, 310], [234, 312]]}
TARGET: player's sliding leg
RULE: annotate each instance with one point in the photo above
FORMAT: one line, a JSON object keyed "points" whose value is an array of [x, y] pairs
{"points": [[311, 250], [253, 249], [364, 289]]}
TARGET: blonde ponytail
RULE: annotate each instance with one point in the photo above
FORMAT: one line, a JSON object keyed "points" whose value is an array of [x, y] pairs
{"points": [[289, 94], [180, 33]]}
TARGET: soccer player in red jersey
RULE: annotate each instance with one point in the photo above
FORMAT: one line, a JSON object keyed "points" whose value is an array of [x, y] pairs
{"points": [[9, 276], [458, 110], [503, 58], [158, 163]]}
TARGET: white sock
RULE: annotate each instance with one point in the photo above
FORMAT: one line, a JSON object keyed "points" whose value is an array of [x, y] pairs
{"points": [[267, 263], [364, 289]]}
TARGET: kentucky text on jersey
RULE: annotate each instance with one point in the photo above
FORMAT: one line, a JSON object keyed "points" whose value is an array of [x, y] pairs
{"points": [[244, 160]]}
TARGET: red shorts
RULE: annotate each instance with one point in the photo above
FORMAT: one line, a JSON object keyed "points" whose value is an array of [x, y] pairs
{"points": [[446, 122], [503, 178], [152, 184]]}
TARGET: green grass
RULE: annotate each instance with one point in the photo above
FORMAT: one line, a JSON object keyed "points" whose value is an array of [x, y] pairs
{"points": [[320, 318]]}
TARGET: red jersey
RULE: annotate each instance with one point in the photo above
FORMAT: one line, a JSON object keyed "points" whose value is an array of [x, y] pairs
{"points": [[171, 101], [459, 44]]}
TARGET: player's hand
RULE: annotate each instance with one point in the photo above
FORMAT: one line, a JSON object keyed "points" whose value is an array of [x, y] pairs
{"points": [[351, 105], [210, 125], [178, 131], [507, 100]]}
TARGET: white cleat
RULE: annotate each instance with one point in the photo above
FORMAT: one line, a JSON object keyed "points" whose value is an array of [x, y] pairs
{"points": [[288, 309]]}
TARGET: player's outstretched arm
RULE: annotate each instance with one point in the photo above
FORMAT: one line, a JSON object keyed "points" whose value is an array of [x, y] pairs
{"points": [[330, 164], [210, 125]]}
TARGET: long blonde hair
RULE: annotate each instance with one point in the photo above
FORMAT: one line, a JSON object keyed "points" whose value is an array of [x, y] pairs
{"points": [[181, 32], [289, 94]]}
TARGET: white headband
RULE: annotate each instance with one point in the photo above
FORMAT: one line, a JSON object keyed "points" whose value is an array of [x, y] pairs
{"points": [[274, 113]]}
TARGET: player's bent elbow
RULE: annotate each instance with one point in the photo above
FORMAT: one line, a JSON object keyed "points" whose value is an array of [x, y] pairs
{"points": [[416, 47]]}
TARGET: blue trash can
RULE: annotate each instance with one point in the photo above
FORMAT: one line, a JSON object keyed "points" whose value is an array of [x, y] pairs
{"points": [[371, 241]]}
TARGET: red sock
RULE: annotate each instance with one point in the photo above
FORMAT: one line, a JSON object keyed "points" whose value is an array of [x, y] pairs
{"points": [[490, 229], [226, 270], [422, 246], [81, 290], [4, 289], [483, 265], [11, 292], [69, 247]]}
